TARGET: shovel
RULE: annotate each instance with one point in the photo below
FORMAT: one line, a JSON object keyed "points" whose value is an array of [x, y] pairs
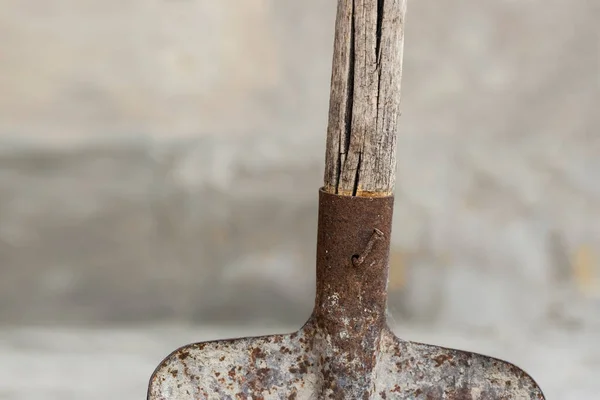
{"points": [[346, 350]]}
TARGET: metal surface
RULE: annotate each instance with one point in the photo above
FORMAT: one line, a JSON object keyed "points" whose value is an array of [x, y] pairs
{"points": [[345, 350]]}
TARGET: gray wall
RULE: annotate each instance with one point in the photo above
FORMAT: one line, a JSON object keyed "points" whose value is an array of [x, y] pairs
{"points": [[159, 160]]}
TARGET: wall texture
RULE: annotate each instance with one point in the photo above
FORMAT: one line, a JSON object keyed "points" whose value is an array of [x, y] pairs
{"points": [[160, 160]]}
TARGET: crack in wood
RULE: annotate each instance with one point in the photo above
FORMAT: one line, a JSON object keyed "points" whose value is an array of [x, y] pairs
{"points": [[349, 104], [365, 92], [357, 175], [378, 31]]}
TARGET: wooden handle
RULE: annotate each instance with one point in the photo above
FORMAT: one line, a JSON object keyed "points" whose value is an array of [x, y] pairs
{"points": [[365, 98]]}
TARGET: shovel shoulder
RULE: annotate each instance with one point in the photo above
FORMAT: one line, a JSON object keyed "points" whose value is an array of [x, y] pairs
{"points": [[409, 370], [267, 367]]}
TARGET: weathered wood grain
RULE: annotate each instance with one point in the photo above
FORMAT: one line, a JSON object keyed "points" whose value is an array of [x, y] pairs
{"points": [[365, 97]]}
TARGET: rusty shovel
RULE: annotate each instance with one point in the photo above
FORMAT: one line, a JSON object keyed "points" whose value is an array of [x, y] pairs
{"points": [[346, 349]]}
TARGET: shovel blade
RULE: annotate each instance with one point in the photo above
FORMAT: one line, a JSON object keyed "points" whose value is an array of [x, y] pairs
{"points": [[292, 367], [345, 351]]}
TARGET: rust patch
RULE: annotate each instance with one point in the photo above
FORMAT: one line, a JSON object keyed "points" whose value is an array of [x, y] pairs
{"points": [[441, 359]]}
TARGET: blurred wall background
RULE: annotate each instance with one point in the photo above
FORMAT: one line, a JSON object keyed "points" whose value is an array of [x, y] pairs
{"points": [[160, 161]]}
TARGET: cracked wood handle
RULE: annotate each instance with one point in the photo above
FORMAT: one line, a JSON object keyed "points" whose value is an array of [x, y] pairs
{"points": [[365, 98]]}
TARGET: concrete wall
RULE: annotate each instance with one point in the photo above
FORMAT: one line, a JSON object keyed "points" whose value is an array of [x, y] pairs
{"points": [[160, 160]]}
